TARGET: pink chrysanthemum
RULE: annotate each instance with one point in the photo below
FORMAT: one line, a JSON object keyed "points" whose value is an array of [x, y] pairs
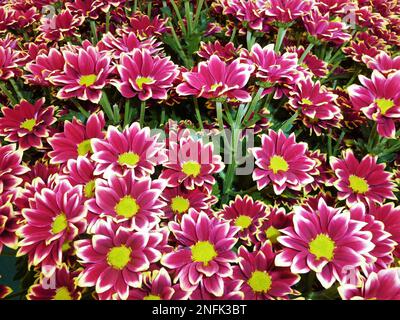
{"points": [[75, 139], [179, 200], [9, 60], [384, 63], [383, 285], [115, 257], [157, 285], [227, 52], [326, 241], [85, 74], [216, 79], [9, 222], [389, 215], [191, 163], [133, 149], [204, 255], [246, 214], [60, 286], [133, 202], [55, 218], [27, 124], [283, 162], [145, 28], [231, 291], [379, 100], [271, 227], [311, 64], [145, 75], [11, 169], [263, 280], [361, 181], [248, 12], [286, 11]]}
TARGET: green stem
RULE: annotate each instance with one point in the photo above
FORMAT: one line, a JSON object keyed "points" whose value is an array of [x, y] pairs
{"points": [[198, 114], [142, 113], [279, 39], [80, 108], [219, 116], [8, 93], [253, 104], [306, 52], [108, 17], [127, 111], [188, 14], [197, 15], [94, 31], [105, 103], [162, 121], [16, 89], [178, 43], [233, 34], [178, 14], [134, 6], [149, 7]]}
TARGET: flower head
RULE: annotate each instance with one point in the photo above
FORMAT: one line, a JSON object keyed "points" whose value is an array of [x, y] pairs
{"points": [[11, 169], [9, 222]]}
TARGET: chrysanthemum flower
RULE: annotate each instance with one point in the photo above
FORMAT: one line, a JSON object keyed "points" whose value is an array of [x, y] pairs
{"points": [[60, 286], [322, 173], [204, 254], [283, 162], [133, 202], [364, 45], [179, 200], [311, 63], [115, 257], [44, 66], [88, 8], [227, 52], [317, 103], [9, 222], [383, 285], [157, 285], [4, 291], [75, 139], [286, 11], [11, 169], [389, 215], [326, 241], [133, 149], [231, 291], [263, 280], [270, 229], [248, 12], [9, 59], [379, 99], [365, 181], [85, 74], [246, 214], [145, 75], [55, 217], [191, 163], [145, 28], [214, 79], [382, 62], [381, 256], [27, 124], [81, 172]]}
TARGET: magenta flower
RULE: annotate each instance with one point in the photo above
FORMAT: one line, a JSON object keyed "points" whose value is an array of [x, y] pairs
{"points": [[246, 214], [283, 162], [365, 181], [286, 11], [263, 280], [227, 52], [9, 60], [54, 218], [27, 124], [115, 257], [379, 100], [145, 28], [11, 169], [65, 287], [157, 285], [85, 74], [248, 12], [383, 285], [133, 149], [135, 203], [76, 138], [271, 227], [383, 63], [311, 65], [193, 169], [231, 291], [326, 241], [9, 222], [80, 172], [204, 255], [216, 79], [145, 75]]}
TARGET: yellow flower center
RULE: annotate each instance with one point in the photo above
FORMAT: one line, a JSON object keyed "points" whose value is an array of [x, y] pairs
{"points": [[358, 184], [87, 80], [215, 86], [203, 251], [191, 168], [143, 80], [277, 163], [66, 246], [119, 257], [127, 207], [307, 102], [28, 124], [243, 221], [62, 294], [59, 224], [272, 234], [384, 105], [88, 189], [260, 281], [152, 297], [129, 159], [180, 204], [85, 147], [322, 247]]}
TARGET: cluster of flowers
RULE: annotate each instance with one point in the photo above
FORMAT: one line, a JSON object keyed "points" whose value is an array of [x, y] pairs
{"points": [[94, 205]]}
